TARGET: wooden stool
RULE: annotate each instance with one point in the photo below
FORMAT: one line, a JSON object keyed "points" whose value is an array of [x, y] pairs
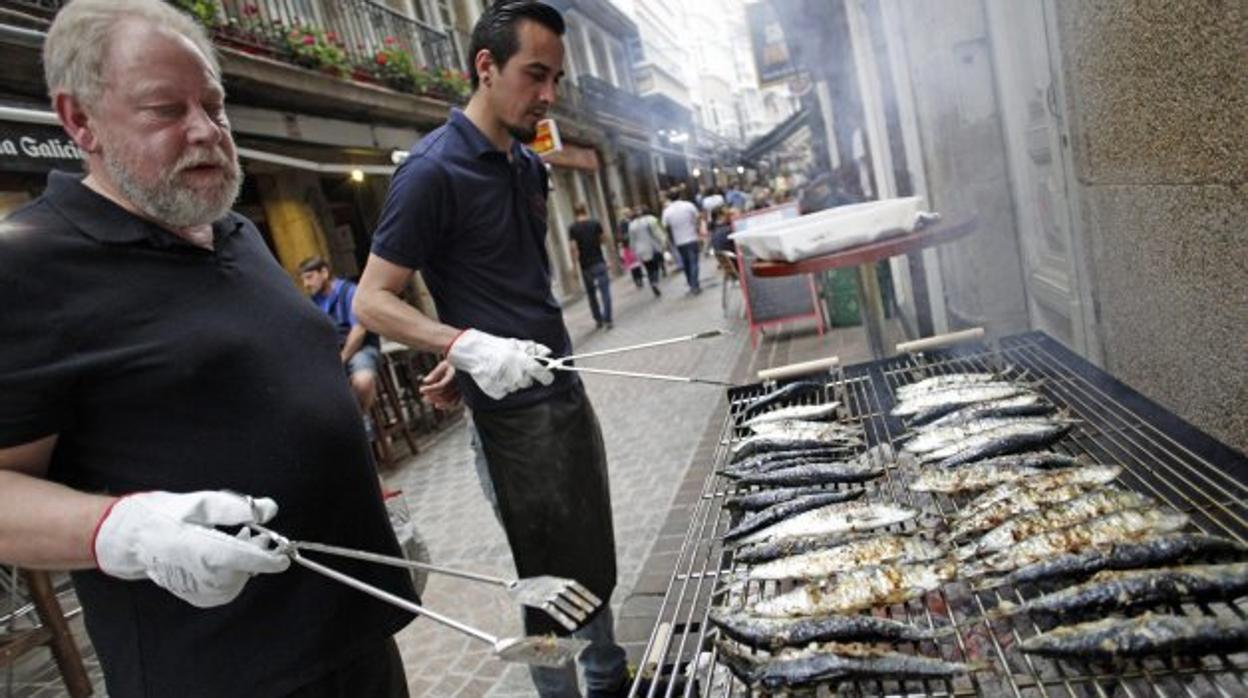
{"points": [[389, 417], [54, 632]]}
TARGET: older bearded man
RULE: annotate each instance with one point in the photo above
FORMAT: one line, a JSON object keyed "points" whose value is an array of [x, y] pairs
{"points": [[154, 360]]}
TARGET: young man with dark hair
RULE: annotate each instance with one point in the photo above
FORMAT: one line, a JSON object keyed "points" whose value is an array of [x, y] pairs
{"points": [[359, 349], [586, 237], [468, 209]]}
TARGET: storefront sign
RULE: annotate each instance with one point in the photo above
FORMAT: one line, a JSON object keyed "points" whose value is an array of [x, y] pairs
{"points": [[37, 148], [772, 58], [576, 157], [547, 140]]}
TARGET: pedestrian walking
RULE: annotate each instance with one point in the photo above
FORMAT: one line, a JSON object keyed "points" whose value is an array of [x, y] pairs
{"points": [[468, 209], [682, 221], [632, 264], [586, 235], [645, 237], [192, 369]]}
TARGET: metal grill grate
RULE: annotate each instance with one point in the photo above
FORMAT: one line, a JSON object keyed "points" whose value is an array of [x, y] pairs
{"points": [[1159, 458]]}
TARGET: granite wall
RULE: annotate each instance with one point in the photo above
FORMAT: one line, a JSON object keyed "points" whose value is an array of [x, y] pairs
{"points": [[1157, 94]]}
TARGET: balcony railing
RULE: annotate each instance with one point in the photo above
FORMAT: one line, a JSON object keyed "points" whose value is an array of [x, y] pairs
{"points": [[358, 27], [347, 34], [600, 96]]}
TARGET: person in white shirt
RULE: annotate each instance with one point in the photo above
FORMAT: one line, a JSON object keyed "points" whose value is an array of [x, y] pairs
{"points": [[683, 222]]}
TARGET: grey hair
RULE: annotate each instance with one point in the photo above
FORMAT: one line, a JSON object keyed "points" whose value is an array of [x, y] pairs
{"points": [[80, 37]]}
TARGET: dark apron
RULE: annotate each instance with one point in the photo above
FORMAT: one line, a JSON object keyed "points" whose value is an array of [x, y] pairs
{"points": [[549, 471]]}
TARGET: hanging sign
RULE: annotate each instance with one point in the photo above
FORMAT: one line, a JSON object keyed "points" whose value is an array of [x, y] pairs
{"points": [[772, 58], [547, 140], [37, 148]]}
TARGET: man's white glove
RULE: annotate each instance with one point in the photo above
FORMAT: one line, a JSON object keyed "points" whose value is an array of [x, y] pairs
{"points": [[499, 365], [170, 539]]}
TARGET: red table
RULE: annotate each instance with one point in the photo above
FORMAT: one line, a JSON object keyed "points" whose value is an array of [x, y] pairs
{"points": [[864, 257]]}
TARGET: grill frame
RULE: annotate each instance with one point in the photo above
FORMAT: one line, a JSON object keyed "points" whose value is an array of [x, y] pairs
{"points": [[1162, 455]]}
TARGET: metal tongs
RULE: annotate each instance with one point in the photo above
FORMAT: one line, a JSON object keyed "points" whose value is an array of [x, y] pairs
{"points": [[560, 363], [563, 599]]}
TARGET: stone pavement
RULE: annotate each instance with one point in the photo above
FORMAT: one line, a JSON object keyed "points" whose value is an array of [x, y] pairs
{"points": [[658, 437]]}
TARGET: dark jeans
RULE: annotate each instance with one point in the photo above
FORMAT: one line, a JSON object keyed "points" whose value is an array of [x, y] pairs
{"points": [[689, 257], [598, 282], [652, 269]]}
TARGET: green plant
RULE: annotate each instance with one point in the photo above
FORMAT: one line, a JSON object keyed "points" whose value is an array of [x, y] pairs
{"points": [[395, 67], [453, 84], [204, 11], [318, 49]]}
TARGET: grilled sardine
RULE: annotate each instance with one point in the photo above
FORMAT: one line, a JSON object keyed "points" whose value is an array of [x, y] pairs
{"points": [[813, 412], [757, 501], [1007, 469], [1118, 527], [783, 510], [1147, 635], [876, 550], [1156, 551], [774, 633], [831, 664], [835, 518], [1082, 508], [1131, 589], [858, 589]]}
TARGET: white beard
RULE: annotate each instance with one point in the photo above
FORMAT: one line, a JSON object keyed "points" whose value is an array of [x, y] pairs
{"points": [[167, 203]]}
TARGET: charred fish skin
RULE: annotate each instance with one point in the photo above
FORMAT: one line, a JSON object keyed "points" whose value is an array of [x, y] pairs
{"points": [[875, 550], [1153, 552], [1147, 635], [735, 472], [758, 460], [835, 518], [1131, 589], [776, 442], [757, 501], [1007, 440], [788, 391], [767, 550], [1024, 501], [1004, 470], [832, 663], [858, 590], [1068, 513], [775, 633], [781, 511], [814, 474], [1024, 405], [1120, 526], [1088, 476]]}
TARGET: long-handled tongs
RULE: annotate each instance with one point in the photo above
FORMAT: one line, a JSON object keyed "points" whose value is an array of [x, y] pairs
{"points": [[560, 598], [560, 364]]}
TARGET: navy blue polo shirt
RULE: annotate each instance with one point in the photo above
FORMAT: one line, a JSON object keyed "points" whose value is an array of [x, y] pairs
{"points": [[473, 222], [166, 366]]}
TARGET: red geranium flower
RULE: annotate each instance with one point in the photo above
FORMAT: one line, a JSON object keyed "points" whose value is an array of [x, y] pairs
{"points": [[309, 40]]}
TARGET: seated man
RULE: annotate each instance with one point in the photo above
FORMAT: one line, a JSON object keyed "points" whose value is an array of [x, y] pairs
{"points": [[359, 349]]}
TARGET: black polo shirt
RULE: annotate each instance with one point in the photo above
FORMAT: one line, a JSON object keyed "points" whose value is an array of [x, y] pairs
{"points": [[474, 223], [164, 366]]}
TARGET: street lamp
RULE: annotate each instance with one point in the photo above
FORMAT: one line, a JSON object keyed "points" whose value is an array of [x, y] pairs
{"points": [[357, 176], [697, 173], [740, 169]]}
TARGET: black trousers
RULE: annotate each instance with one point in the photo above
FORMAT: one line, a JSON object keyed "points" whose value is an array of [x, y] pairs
{"points": [[376, 673]]}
